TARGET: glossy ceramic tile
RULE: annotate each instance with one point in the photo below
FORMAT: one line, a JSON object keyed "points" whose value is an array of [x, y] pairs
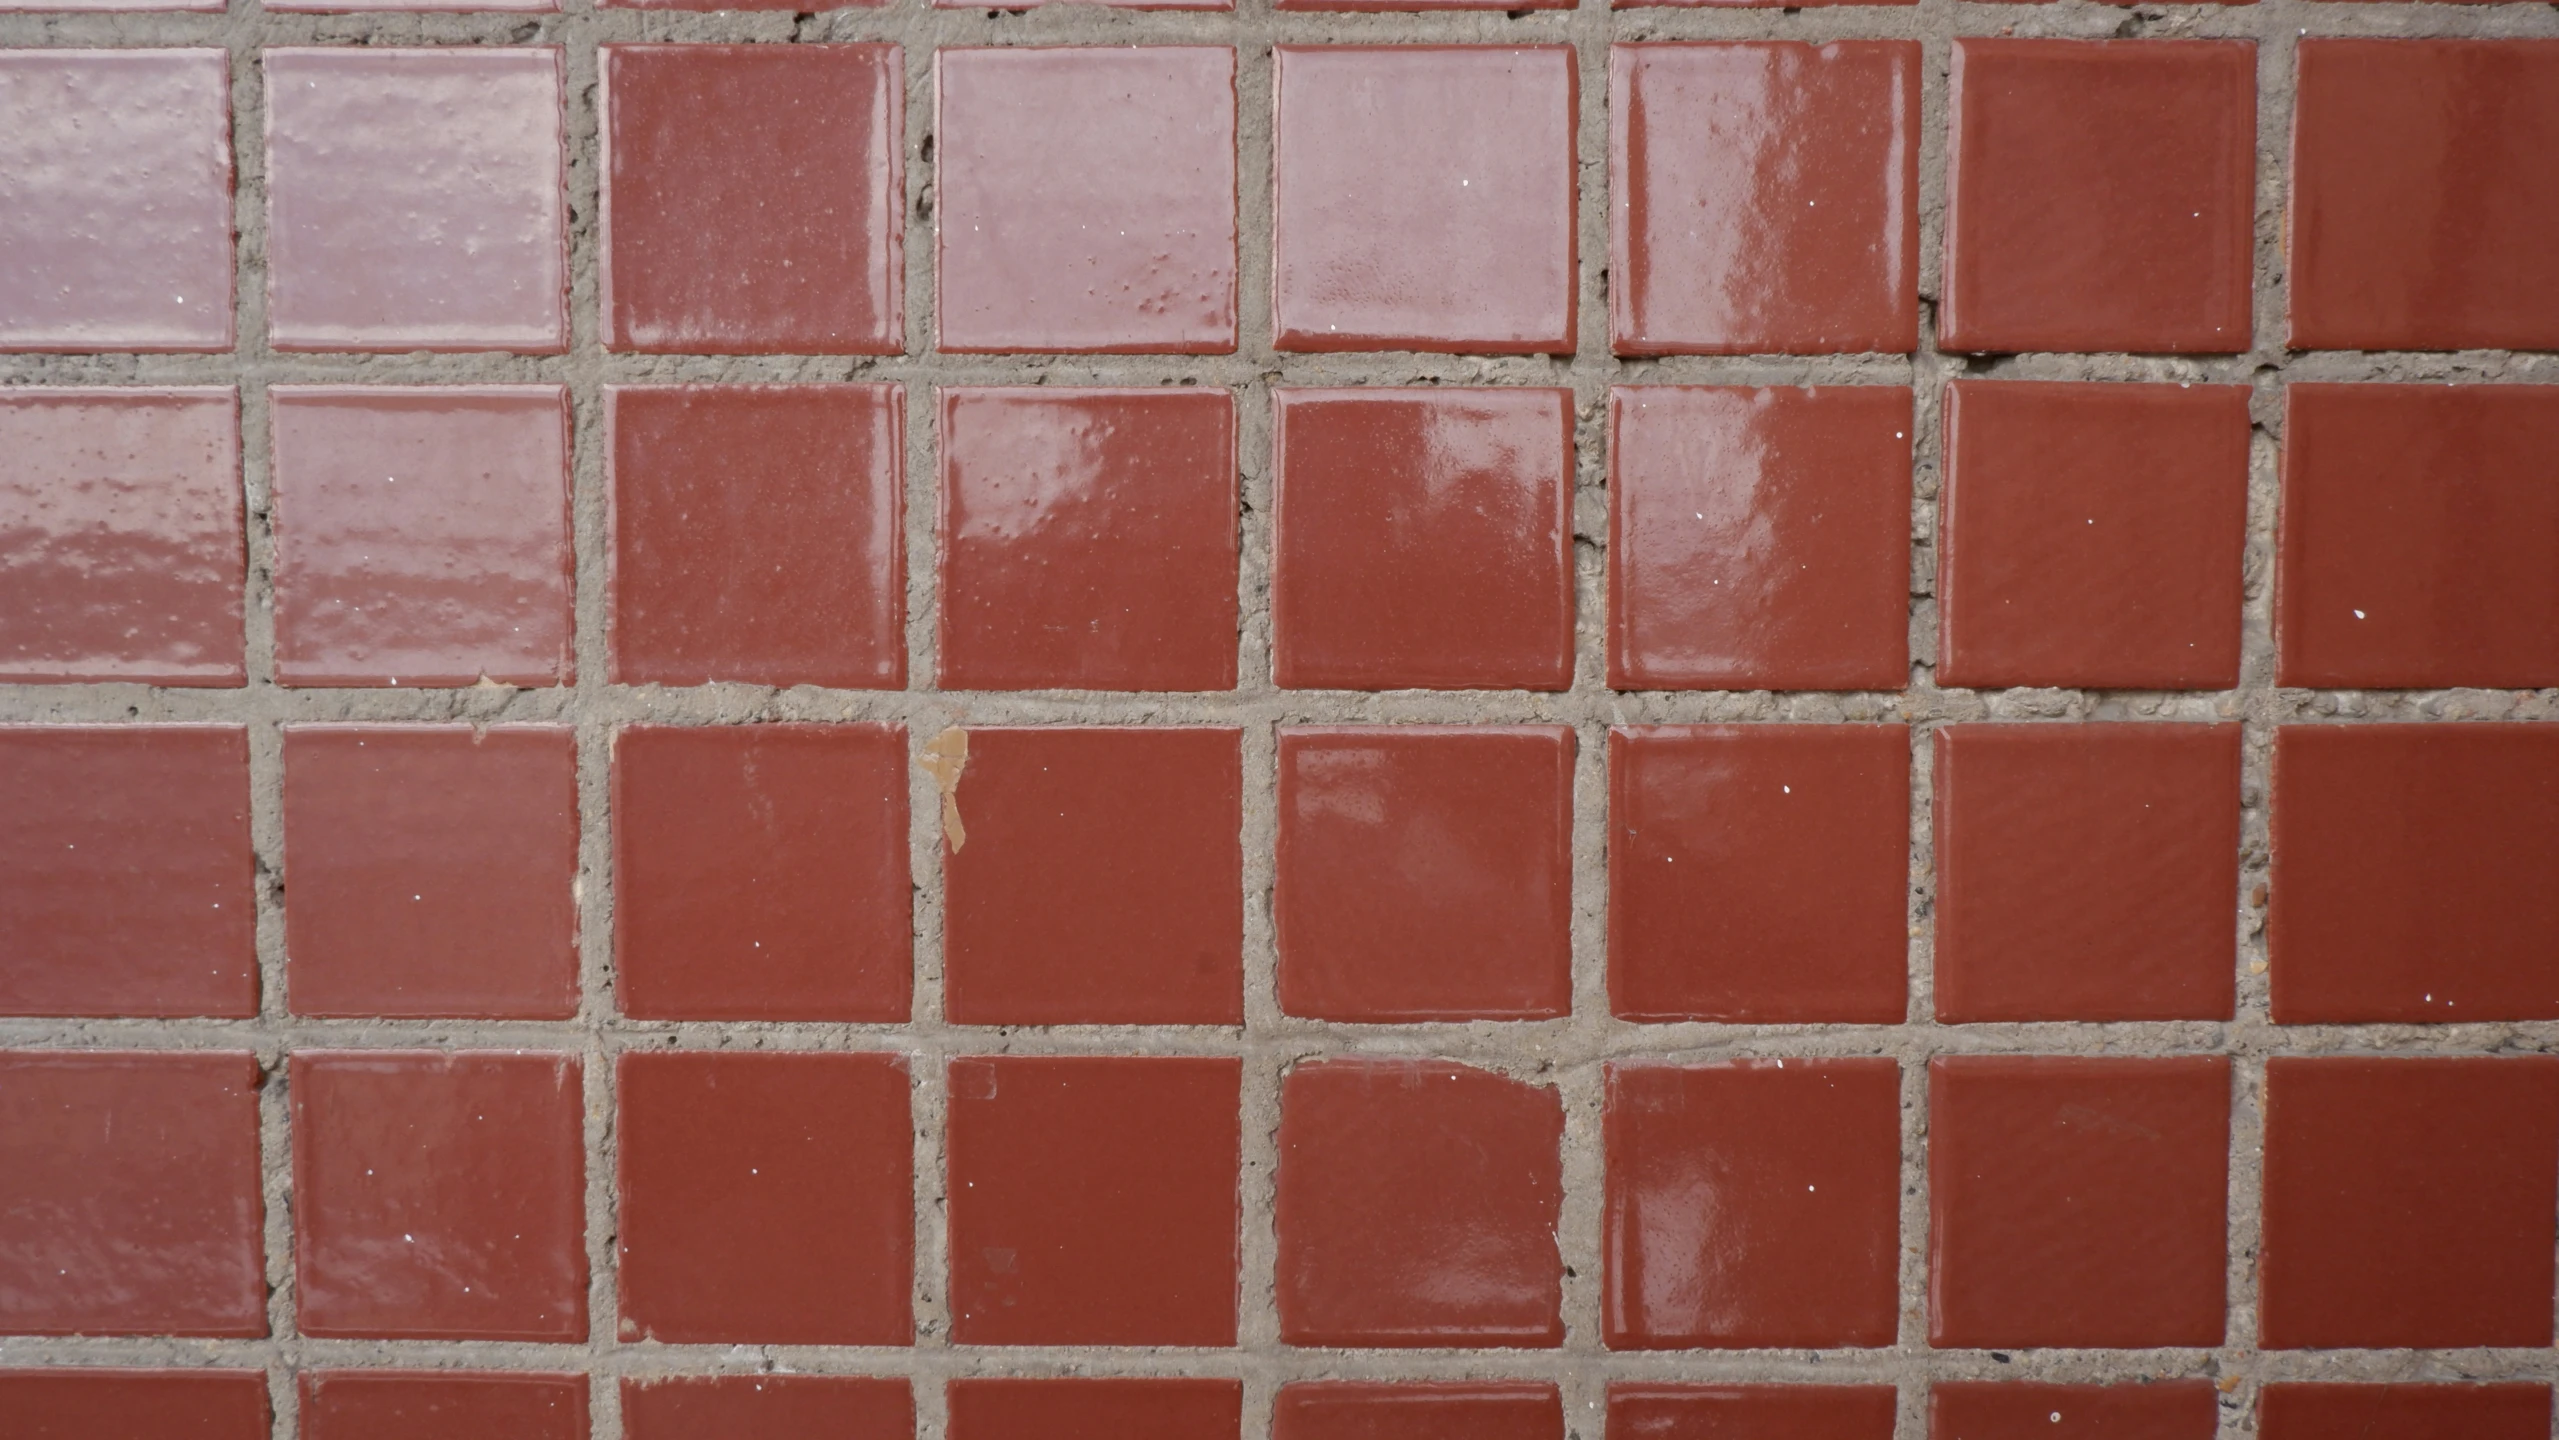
{"points": [[1759, 874], [1425, 872], [2093, 535], [1106, 1409], [2077, 1201], [127, 883], [1093, 1201], [2423, 198], [1444, 1410], [752, 199], [761, 873], [429, 870], [765, 1199], [2155, 1410], [1424, 539], [1088, 539], [1764, 197], [2408, 1202], [129, 1195], [200, 1403], [414, 200], [1098, 879], [2411, 874], [421, 535], [439, 1194], [1417, 1206], [765, 1406], [1750, 1412], [435, 1405], [1752, 1205], [2087, 872], [2420, 537], [1086, 199], [1458, 234], [2419, 1412], [1759, 539], [2065, 233], [115, 200], [756, 534]]}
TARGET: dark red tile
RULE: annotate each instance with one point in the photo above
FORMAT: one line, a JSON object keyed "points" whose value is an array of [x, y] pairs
{"points": [[1456, 235], [429, 870], [2420, 537], [2412, 874], [1101, 879], [2404, 1412], [2093, 535], [2077, 1201], [1109, 1409], [121, 536], [756, 534], [2063, 235], [2408, 1202], [1417, 1206], [1753, 1205], [1759, 539], [1425, 872], [129, 1195], [1759, 874], [1085, 199], [2423, 198], [117, 234], [1424, 539], [100, 1403], [2087, 872], [760, 873], [439, 1194], [1446, 1410], [1991, 1410], [766, 1199], [1751, 1412], [415, 199], [127, 882], [1088, 539], [421, 535], [753, 199], [1767, 198], [768, 1407], [441, 1404], [1093, 1201]]}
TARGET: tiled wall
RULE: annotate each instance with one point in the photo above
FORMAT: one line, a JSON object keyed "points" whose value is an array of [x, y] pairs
{"points": [[1830, 723]]}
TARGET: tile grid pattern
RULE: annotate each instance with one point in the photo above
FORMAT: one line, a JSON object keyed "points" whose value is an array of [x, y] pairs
{"points": [[1572, 1048]]}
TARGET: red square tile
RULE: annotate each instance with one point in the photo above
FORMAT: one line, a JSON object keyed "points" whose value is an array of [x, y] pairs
{"points": [[121, 537], [2412, 874], [422, 535], [129, 1195], [415, 200], [117, 230], [1093, 1200], [1759, 874], [1759, 539], [1101, 881], [760, 873], [1459, 233], [429, 870], [441, 1404], [757, 534], [79, 1402], [1085, 199], [2405, 1412], [2423, 198], [766, 1199], [439, 1195], [127, 882], [2420, 537], [2094, 535], [1417, 1206], [2099, 195], [1753, 1205], [1751, 1412], [1766, 198], [1088, 539], [767, 1407], [2408, 1202], [1425, 872], [2077, 1201], [1447, 1410], [2155, 1410], [753, 199], [1080, 1409], [1424, 539], [2087, 872]]}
